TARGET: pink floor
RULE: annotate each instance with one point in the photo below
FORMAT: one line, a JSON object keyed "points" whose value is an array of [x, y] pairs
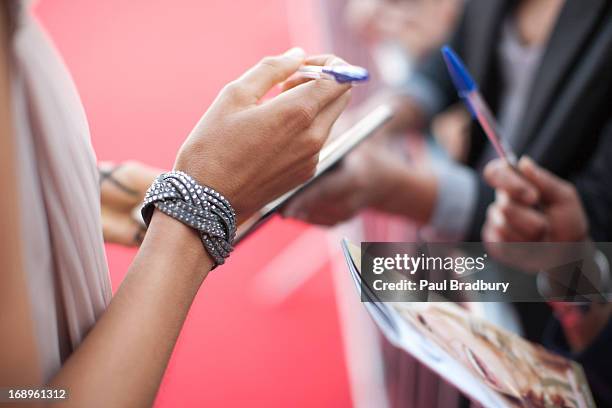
{"points": [[146, 71]]}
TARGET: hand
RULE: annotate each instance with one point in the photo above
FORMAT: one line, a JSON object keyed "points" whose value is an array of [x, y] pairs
{"points": [[339, 195], [513, 216], [372, 176], [122, 189], [252, 153]]}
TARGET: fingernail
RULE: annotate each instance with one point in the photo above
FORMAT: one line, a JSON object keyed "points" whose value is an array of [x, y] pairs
{"points": [[295, 53], [527, 162], [497, 218]]}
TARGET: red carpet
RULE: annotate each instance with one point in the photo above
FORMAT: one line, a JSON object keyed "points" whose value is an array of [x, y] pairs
{"points": [[146, 71]]}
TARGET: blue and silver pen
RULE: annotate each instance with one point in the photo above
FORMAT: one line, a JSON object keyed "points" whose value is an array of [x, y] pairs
{"points": [[340, 73], [468, 91]]}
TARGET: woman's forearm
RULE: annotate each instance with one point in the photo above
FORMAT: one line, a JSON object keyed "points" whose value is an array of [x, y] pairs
{"points": [[234, 149], [122, 360]]}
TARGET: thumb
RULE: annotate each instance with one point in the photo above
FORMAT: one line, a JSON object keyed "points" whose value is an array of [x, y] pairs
{"points": [[258, 80], [550, 186]]}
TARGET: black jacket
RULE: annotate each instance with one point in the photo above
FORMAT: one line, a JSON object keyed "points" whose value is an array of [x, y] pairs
{"points": [[594, 186]]}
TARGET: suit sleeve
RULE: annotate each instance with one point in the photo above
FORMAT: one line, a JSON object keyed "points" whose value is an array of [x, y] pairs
{"points": [[594, 186]]}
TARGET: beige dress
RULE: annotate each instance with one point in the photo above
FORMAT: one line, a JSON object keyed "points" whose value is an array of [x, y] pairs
{"points": [[63, 250]]}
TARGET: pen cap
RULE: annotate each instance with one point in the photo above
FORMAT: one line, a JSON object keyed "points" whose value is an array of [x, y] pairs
{"points": [[347, 73], [461, 78]]}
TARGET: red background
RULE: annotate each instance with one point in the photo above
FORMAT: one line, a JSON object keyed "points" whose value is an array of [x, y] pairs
{"points": [[146, 71]]}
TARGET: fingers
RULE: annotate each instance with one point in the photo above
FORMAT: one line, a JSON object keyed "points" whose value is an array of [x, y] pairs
{"points": [[300, 106], [497, 228], [326, 215], [531, 184], [119, 228], [490, 234], [319, 60], [326, 202], [322, 125], [257, 81], [320, 192], [551, 187], [317, 103], [501, 176], [521, 222]]}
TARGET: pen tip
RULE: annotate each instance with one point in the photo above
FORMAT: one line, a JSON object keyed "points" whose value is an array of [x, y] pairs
{"points": [[458, 72]]}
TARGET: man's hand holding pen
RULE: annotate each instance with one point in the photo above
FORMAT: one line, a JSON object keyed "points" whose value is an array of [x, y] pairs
{"points": [[533, 205]]}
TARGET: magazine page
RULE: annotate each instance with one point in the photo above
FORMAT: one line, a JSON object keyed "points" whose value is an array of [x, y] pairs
{"points": [[494, 367]]}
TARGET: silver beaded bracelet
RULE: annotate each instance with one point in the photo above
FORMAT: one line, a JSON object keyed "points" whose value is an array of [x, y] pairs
{"points": [[179, 196]]}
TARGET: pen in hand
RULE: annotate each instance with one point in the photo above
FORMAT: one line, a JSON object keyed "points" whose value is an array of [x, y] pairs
{"points": [[340, 73], [468, 91]]}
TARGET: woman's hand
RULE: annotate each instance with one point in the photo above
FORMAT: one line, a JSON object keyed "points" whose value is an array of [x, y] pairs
{"points": [[248, 152], [253, 152]]}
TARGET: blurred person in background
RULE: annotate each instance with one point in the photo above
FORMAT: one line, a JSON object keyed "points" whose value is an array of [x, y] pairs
{"points": [[401, 35], [566, 212], [390, 38], [416, 26], [544, 66], [60, 327]]}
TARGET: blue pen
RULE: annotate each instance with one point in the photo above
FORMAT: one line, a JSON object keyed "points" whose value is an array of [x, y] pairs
{"points": [[340, 73], [468, 91]]}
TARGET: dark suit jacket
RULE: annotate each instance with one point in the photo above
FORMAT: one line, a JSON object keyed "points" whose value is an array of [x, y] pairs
{"points": [[572, 94], [594, 186], [595, 359]]}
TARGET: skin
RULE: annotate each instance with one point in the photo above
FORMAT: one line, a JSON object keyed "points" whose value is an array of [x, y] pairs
{"points": [[559, 217], [419, 26], [118, 222], [407, 190], [513, 216], [119, 225], [371, 177], [251, 152], [18, 351], [410, 23]]}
